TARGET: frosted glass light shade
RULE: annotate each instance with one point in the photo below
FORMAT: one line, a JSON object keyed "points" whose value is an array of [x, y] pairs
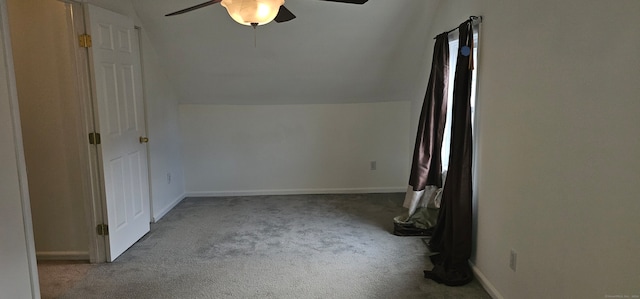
{"points": [[246, 12]]}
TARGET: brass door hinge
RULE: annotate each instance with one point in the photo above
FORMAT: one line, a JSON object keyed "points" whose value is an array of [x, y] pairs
{"points": [[94, 138], [102, 229], [85, 41]]}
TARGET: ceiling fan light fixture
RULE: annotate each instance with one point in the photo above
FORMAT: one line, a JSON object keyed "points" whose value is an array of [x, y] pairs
{"points": [[249, 12]]}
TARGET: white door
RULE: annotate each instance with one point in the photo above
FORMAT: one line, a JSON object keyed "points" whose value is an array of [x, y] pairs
{"points": [[121, 124]]}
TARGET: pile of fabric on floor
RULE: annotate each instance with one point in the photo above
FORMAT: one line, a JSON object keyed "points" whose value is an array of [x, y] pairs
{"points": [[423, 208]]}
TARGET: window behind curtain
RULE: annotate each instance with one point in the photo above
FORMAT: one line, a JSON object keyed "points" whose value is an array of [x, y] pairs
{"points": [[453, 57]]}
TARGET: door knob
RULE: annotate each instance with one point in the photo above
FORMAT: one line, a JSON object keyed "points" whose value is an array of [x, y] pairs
{"points": [[144, 139]]}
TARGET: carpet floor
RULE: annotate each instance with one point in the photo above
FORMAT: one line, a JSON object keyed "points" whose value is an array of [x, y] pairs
{"points": [[294, 246]]}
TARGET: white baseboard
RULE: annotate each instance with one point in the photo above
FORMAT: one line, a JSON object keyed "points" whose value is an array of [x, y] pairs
{"points": [[62, 255], [168, 208], [486, 284], [295, 191]]}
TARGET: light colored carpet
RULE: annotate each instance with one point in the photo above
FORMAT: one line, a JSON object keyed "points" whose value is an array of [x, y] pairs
{"points": [[296, 246], [57, 277]]}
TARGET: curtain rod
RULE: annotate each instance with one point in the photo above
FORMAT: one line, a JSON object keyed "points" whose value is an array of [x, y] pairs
{"points": [[471, 18]]}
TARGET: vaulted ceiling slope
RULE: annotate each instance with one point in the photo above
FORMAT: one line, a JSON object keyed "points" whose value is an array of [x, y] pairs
{"points": [[331, 53]]}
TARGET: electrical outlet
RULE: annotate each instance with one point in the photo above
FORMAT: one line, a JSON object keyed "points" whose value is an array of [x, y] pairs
{"points": [[513, 259], [373, 165], [168, 178]]}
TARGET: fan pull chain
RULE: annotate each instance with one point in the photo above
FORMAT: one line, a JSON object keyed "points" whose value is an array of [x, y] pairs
{"points": [[255, 43]]}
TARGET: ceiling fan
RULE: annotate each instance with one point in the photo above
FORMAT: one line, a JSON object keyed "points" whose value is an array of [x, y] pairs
{"points": [[255, 12]]}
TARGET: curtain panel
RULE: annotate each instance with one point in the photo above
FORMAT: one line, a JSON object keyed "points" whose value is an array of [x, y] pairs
{"points": [[425, 180]]}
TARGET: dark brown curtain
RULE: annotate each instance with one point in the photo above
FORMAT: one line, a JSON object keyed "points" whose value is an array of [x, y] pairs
{"points": [[452, 235], [426, 168]]}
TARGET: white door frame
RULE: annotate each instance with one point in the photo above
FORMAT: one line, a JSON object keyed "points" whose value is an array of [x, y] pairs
{"points": [[89, 157], [5, 43]]}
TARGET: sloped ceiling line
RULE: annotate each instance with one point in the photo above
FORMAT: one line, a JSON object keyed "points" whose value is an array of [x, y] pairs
{"points": [[331, 53]]}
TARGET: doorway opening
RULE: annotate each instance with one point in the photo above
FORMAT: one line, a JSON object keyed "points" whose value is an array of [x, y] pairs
{"points": [[61, 99]]}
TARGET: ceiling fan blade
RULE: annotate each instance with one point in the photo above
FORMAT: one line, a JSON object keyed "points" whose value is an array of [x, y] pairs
{"points": [[349, 1], [188, 9], [284, 15]]}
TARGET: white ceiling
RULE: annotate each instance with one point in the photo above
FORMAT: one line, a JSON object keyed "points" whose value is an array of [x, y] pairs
{"points": [[331, 53]]}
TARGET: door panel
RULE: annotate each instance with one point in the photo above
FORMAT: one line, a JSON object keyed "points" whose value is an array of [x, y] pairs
{"points": [[118, 84]]}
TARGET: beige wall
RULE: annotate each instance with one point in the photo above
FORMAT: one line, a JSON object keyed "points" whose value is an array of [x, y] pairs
{"points": [[558, 165], [52, 125]]}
